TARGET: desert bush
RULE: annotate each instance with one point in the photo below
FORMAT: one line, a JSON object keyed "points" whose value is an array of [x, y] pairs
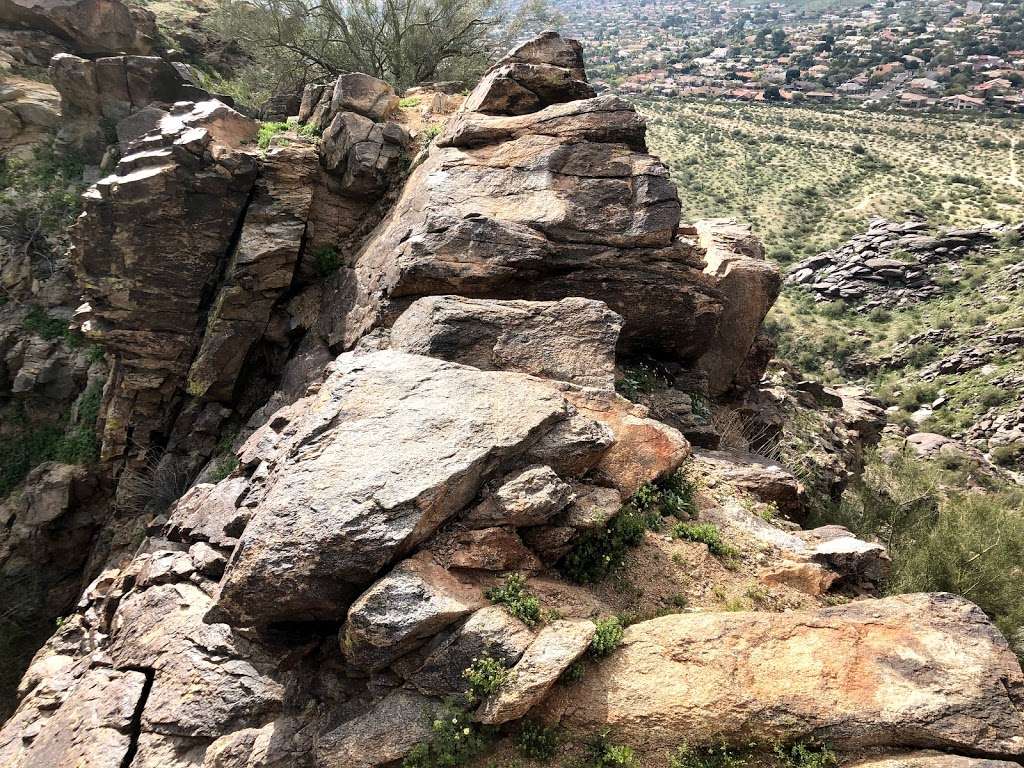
{"points": [[601, 753], [536, 741], [1007, 455], [607, 638], [515, 598], [597, 554], [709, 756], [454, 740]]}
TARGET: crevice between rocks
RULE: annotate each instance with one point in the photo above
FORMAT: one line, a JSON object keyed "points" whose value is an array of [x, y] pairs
{"points": [[135, 728]]}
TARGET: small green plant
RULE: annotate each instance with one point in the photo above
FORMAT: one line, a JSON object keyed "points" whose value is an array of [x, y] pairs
{"points": [[705, 533], [409, 102], [601, 753], [326, 260], [805, 754], [431, 131], [268, 131], [711, 756], [41, 324], [599, 553], [637, 380], [607, 638], [537, 742], [311, 130], [514, 597], [454, 740], [485, 677]]}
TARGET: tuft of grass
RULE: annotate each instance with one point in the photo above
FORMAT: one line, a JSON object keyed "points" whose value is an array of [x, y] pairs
{"points": [[705, 533], [601, 753], [268, 131], [409, 102], [514, 597]]}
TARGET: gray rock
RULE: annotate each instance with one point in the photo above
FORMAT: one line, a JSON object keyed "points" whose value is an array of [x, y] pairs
{"points": [[389, 448], [529, 497], [571, 340], [491, 631], [385, 733], [414, 602], [556, 647]]}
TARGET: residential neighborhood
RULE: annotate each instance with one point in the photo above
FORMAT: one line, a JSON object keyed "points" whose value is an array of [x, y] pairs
{"points": [[931, 55]]}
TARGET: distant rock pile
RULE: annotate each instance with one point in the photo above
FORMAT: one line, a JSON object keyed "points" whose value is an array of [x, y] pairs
{"points": [[890, 265]]}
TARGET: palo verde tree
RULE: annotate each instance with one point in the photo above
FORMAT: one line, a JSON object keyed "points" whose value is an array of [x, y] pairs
{"points": [[401, 41]]}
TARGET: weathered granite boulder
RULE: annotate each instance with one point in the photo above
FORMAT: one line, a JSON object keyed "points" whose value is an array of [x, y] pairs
{"points": [[337, 508], [765, 480], [364, 155], [572, 339], [925, 670], [414, 602], [385, 733], [29, 111], [556, 647], [86, 27], [529, 497]]}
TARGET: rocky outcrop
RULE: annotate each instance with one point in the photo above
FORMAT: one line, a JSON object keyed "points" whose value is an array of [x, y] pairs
{"points": [[586, 215], [766, 480], [750, 285], [85, 27], [99, 97], [29, 111], [911, 671], [892, 264]]}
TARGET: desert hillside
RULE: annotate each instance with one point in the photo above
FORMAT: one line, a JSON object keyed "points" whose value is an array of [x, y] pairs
{"points": [[390, 422]]}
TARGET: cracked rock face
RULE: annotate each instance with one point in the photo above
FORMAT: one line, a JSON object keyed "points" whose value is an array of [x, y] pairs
{"points": [[921, 670], [329, 521]]}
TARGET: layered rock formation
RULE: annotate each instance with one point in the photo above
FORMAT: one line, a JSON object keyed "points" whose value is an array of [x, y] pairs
{"points": [[892, 264], [435, 465]]}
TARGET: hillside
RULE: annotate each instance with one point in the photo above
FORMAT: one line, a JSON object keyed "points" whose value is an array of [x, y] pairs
{"points": [[807, 178], [421, 427]]}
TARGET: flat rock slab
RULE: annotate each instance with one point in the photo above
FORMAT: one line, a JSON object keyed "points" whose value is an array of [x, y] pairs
{"points": [[385, 733], [571, 340], [556, 647], [928, 759], [390, 447], [925, 670]]}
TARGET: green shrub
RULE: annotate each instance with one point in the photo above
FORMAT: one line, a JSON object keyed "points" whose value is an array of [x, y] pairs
{"points": [[705, 533], [536, 741], [805, 754], [454, 740], [41, 324], [637, 380], [991, 396], [512, 595], [409, 101], [601, 753], [485, 677], [607, 638], [1007, 455], [598, 553], [326, 260], [718, 756], [268, 131]]}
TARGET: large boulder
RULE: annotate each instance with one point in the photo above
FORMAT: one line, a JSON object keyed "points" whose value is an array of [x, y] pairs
{"points": [[926, 670], [391, 447], [572, 339], [86, 27], [750, 284], [764, 479], [414, 602]]}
